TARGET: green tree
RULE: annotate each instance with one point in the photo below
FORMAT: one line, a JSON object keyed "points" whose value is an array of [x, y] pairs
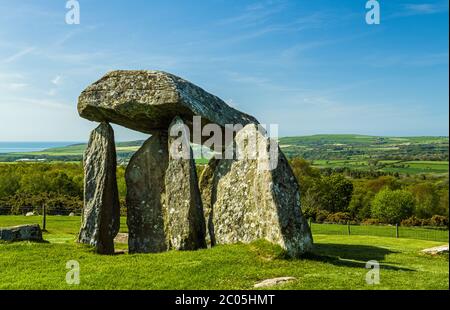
{"points": [[392, 206], [383, 182], [427, 200], [360, 205], [9, 184], [443, 202], [333, 193]]}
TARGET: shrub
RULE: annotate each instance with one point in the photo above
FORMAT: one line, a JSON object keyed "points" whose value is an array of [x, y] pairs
{"points": [[439, 220], [412, 221], [392, 206], [339, 218], [426, 222], [309, 212], [321, 216], [370, 221]]}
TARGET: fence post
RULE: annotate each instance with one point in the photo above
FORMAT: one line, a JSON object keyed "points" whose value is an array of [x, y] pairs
{"points": [[348, 228], [396, 231], [44, 217]]}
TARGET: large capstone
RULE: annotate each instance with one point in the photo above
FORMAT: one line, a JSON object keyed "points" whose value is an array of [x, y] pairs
{"points": [[145, 196], [148, 101], [185, 219], [101, 211], [255, 196], [30, 232]]}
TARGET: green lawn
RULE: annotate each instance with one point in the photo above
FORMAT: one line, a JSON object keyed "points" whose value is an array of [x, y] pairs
{"points": [[338, 262], [382, 231]]}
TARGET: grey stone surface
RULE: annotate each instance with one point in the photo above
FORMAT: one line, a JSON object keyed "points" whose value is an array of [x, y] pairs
{"points": [[121, 238], [147, 101], [31, 232], [274, 281], [144, 176], [436, 250], [185, 225], [249, 202], [101, 211], [163, 198]]}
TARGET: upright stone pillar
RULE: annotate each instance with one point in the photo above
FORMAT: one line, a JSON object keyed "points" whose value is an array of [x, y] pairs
{"points": [[163, 199], [145, 196], [254, 198], [185, 219], [101, 211]]}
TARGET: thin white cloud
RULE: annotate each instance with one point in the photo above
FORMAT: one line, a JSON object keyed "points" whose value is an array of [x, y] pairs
{"points": [[254, 15], [12, 82], [423, 8], [300, 24], [56, 80], [19, 54], [16, 86], [413, 9], [9, 76], [51, 92], [31, 102], [431, 59], [72, 58]]}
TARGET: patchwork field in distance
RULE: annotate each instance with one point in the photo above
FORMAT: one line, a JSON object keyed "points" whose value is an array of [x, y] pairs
{"points": [[406, 155], [403, 167]]}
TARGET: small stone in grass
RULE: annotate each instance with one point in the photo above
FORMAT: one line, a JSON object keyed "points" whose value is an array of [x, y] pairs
{"points": [[274, 281]]}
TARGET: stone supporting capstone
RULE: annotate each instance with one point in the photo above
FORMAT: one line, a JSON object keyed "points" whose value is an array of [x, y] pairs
{"points": [[101, 211], [144, 177], [185, 219], [163, 198], [248, 201]]}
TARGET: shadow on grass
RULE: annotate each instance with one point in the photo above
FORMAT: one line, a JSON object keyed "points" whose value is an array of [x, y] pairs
{"points": [[352, 251], [349, 255]]}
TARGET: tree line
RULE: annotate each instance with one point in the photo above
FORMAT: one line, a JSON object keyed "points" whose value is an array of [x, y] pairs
{"points": [[326, 195], [330, 196]]}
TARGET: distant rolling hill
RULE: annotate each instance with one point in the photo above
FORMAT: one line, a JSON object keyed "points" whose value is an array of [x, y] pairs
{"points": [[333, 147], [404, 154]]}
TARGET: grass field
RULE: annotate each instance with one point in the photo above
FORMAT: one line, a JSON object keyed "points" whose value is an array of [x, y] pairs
{"points": [[411, 167], [338, 262], [381, 231]]}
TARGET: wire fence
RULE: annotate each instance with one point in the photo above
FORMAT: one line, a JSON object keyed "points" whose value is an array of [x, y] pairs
{"points": [[46, 217], [40, 210], [394, 231]]}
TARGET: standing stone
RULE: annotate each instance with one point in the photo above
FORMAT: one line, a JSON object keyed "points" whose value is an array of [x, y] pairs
{"points": [[250, 201], [185, 226], [145, 196], [101, 211]]}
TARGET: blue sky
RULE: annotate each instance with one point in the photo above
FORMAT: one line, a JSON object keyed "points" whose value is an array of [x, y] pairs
{"points": [[309, 66]]}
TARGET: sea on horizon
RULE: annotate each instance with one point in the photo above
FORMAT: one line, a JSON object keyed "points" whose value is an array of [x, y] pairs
{"points": [[32, 146]]}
